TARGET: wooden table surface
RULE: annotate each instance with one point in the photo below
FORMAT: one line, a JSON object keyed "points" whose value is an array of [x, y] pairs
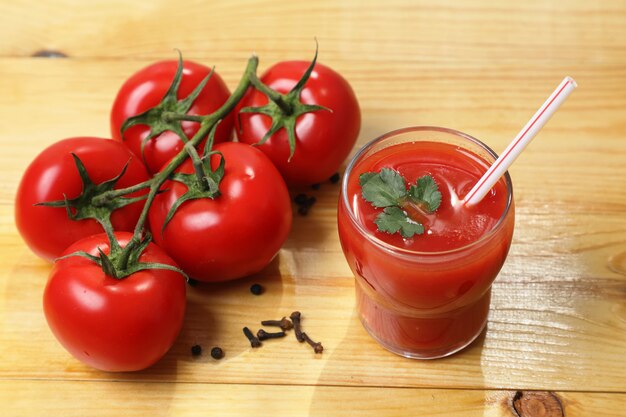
{"points": [[557, 327]]}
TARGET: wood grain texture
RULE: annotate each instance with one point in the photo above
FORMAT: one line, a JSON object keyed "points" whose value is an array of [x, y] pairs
{"points": [[558, 318], [74, 398], [570, 31]]}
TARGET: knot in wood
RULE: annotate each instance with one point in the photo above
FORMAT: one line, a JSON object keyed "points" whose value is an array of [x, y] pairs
{"points": [[537, 404]]}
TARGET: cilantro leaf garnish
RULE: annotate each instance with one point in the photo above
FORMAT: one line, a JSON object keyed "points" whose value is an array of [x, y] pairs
{"points": [[427, 192], [383, 189], [388, 189], [394, 219]]}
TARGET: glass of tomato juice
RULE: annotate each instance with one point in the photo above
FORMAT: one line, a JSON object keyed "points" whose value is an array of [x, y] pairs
{"points": [[427, 296]]}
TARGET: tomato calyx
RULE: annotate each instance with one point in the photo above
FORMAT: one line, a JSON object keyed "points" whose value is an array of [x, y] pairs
{"points": [[123, 262], [284, 109], [96, 201], [170, 112], [204, 182]]}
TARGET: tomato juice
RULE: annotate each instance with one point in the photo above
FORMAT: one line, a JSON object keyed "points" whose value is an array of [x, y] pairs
{"points": [[427, 296]]}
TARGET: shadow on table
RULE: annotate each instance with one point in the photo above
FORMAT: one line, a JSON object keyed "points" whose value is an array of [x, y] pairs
{"points": [[358, 368], [212, 319]]}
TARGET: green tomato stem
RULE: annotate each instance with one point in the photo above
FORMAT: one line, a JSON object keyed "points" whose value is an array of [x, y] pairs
{"points": [[102, 199], [173, 117], [273, 95], [197, 165]]}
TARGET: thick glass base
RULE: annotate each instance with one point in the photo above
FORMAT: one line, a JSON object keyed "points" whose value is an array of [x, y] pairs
{"points": [[422, 354], [420, 334]]}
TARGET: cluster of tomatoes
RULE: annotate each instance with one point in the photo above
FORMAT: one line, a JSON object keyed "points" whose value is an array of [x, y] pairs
{"points": [[84, 202]]}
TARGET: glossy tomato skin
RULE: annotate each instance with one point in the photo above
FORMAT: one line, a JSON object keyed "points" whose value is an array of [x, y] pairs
{"points": [[323, 138], [235, 234], [110, 324], [146, 88], [52, 174]]}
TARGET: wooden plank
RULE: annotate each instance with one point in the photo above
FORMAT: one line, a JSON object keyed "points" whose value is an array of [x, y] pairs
{"points": [[558, 319], [552, 326], [574, 151], [75, 398], [572, 32]]}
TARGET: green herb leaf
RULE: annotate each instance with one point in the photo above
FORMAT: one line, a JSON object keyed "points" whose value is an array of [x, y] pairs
{"points": [[426, 192], [387, 189], [394, 219], [384, 189]]}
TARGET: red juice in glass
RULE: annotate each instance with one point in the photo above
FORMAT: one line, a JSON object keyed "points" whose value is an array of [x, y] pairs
{"points": [[426, 296]]}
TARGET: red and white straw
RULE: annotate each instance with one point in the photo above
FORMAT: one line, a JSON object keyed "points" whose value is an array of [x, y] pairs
{"points": [[520, 142]]}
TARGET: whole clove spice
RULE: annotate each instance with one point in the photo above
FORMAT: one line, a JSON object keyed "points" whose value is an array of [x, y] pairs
{"points": [[254, 341], [295, 318], [317, 346], [284, 323], [263, 335]]}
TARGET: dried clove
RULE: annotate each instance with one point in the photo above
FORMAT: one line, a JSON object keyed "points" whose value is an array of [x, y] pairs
{"points": [[295, 318], [263, 335], [254, 341], [317, 346], [284, 323]]}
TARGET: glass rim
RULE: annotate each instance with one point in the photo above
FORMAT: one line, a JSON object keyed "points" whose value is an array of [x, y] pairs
{"points": [[394, 249]]}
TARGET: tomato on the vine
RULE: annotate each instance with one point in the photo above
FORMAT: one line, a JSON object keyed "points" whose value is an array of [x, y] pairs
{"points": [[235, 234], [324, 137], [53, 176], [114, 324], [145, 89]]}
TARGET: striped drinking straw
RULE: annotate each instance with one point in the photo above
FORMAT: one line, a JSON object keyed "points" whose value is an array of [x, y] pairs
{"points": [[520, 142]]}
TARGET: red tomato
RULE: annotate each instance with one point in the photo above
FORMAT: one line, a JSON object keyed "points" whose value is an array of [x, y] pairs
{"points": [[323, 138], [237, 233], [53, 174], [146, 88], [114, 324]]}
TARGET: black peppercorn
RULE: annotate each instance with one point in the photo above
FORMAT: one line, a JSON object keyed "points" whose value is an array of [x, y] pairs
{"points": [[316, 186], [335, 178], [196, 350], [256, 289], [300, 199], [217, 353]]}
